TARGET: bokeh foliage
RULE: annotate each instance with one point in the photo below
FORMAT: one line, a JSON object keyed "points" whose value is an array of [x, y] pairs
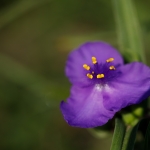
{"points": [[35, 39]]}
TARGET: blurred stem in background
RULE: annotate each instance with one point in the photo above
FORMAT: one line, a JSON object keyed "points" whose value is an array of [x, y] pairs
{"points": [[132, 49], [19, 74], [129, 32], [17, 9]]}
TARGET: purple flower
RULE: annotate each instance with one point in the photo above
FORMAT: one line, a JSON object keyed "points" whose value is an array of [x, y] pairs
{"points": [[101, 84]]}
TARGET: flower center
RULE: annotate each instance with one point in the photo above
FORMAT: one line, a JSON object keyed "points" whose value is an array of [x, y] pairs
{"points": [[101, 72]]}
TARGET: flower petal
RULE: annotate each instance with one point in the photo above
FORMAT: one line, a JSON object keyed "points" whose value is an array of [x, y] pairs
{"points": [[82, 55], [84, 108], [131, 88]]}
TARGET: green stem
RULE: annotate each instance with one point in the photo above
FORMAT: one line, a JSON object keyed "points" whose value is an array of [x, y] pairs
{"points": [[126, 139], [130, 137], [129, 34], [17, 9], [118, 136]]}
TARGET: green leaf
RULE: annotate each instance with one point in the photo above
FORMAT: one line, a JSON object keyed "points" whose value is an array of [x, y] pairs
{"points": [[130, 136], [118, 136], [129, 33], [147, 139]]}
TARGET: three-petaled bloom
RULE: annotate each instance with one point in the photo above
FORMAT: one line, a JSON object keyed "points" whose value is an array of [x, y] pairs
{"points": [[101, 84]]}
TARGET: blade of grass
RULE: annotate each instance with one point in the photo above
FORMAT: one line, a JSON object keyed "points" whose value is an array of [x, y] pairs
{"points": [[17, 9], [128, 29], [118, 136]]}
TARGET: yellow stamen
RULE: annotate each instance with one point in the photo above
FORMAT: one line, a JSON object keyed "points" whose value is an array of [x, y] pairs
{"points": [[94, 61], [110, 60], [92, 72], [90, 76], [112, 68], [85, 66], [99, 76]]}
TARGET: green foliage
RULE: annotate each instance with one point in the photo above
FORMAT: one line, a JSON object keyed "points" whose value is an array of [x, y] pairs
{"points": [[130, 136], [147, 139], [118, 135], [129, 32]]}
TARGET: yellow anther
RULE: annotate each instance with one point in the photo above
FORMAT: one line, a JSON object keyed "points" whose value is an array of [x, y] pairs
{"points": [[85, 66], [90, 76], [112, 68], [94, 61], [92, 72], [99, 76], [110, 60]]}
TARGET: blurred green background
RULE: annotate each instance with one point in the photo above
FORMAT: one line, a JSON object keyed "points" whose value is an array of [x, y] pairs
{"points": [[35, 39]]}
